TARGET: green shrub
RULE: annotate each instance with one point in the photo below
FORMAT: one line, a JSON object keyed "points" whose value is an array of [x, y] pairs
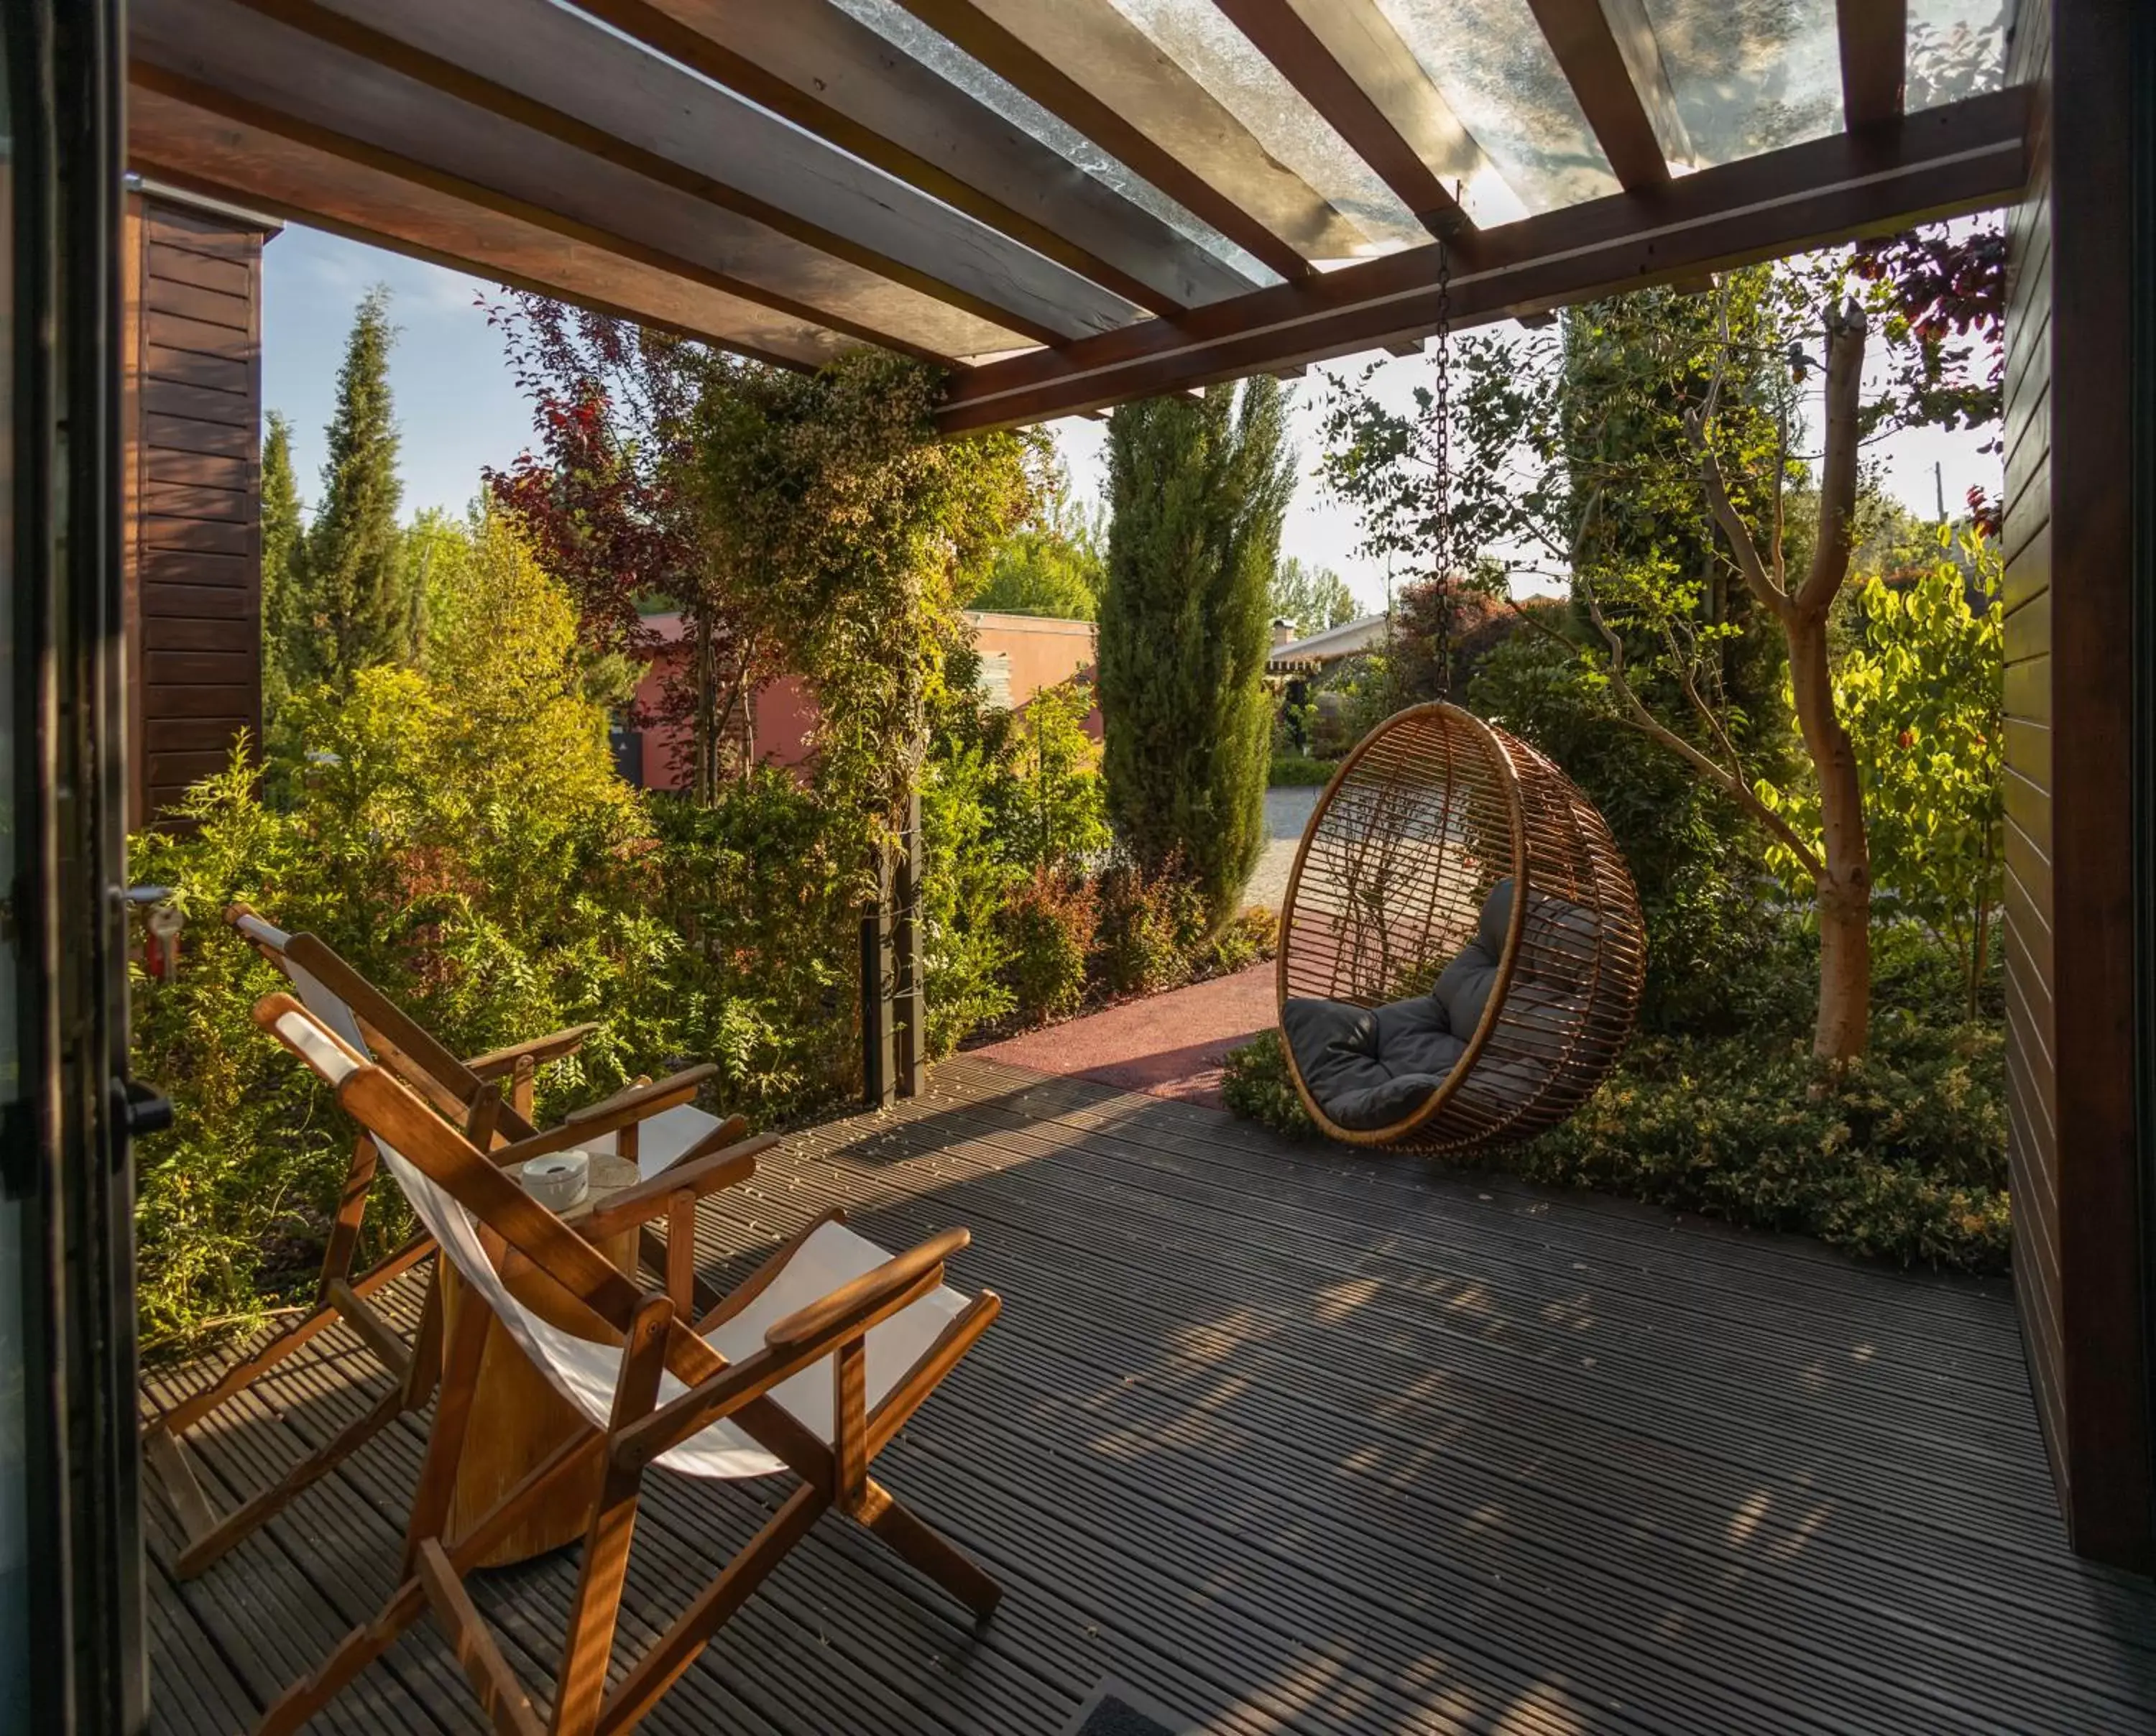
{"points": [[965, 882], [1699, 865], [1900, 1158], [1049, 922], [1150, 927], [1300, 771], [1253, 934], [1256, 1084]]}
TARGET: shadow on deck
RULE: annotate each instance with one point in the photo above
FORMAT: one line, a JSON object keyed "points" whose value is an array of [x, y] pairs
{"points": [[1291, 1438]]}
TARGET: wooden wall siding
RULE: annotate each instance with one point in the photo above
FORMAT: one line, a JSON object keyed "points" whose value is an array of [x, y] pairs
{"points": [[194, 335], [2078, 1268]]}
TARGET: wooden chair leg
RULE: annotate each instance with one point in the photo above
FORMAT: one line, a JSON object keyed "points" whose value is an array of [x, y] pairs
{"points": [[595, 1611], [677, 1648], [565, 1468], [445, 1440], [681, 1252], [351, 1212], [501, 1696], [201, 1551], [918, 1543], [185, 1415]]}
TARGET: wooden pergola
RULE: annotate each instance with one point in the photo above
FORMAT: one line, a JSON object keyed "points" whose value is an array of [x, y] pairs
{"points": [[1074, 202]]}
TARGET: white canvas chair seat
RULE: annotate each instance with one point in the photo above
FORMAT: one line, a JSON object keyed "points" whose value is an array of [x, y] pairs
{"points": [[661, 1138]]}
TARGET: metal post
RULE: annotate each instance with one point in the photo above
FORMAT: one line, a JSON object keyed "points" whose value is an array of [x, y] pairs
{"points": [[910, 1010], [879, 1057]]}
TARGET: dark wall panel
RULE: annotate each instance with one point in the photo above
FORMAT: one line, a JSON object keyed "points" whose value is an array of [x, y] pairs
{"points": [[2078, 1265], [193, 341]]}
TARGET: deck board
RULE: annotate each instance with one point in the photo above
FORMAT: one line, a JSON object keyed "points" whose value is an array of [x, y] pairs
{"points": [[1293, 1438]]}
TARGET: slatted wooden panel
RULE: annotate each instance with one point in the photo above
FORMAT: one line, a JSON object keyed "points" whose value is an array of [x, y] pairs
{"points": [[2032, 1140], [1293, 1438], [193, 338], [2072, 415]]}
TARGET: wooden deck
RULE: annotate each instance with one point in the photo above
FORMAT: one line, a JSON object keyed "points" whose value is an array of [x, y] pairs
{"points": [[1291, 1438]]}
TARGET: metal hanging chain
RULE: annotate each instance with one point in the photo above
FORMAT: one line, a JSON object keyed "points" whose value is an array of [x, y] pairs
{"points": [[1441, 551]]}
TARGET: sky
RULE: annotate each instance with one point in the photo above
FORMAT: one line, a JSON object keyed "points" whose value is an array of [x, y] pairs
{"points": [[458, 410]]}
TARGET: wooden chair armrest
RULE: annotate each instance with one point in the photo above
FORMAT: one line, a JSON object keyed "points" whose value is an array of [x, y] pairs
{"points": [[801, 1339], [497, 1063], [693, 1175], [839, 1314], [641, 1101]]}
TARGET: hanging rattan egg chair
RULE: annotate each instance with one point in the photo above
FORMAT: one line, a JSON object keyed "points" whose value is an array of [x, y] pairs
{"points": [[1461, 949]]}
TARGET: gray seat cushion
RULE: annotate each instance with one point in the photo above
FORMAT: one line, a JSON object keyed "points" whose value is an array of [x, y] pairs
{"points": [[1370, 1067]]}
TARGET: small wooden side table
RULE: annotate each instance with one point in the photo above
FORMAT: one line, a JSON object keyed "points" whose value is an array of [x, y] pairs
{"points": [[517, 1419]]}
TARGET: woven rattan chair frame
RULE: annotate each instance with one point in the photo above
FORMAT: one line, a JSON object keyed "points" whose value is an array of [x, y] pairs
{"points": [[1422, 820]]}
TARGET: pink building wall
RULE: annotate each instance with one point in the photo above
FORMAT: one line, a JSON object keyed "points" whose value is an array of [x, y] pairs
{"points": [[1040, 653]]}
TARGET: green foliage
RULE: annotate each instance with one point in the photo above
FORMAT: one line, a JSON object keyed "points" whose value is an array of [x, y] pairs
{"points": [[763, 886], [1920, 688], [965, 883], [281, 532], [458, 836], [1313, 597], [1053, 567], [850, 530], [1057, 816], [1698, 868], [353, 603], [1198, 488], [1151, 927], [1299, 771], [1258, 1085], [1900, 1155], [1049, 924]]}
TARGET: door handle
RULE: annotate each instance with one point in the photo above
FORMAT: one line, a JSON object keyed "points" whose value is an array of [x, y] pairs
{"points": [[140, 1108]]}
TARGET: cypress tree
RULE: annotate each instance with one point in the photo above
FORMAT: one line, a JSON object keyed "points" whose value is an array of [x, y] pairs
{"points": [[280, 537], [356, 601], [1198, 488]]}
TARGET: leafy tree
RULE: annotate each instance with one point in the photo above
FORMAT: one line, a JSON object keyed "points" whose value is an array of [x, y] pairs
{"points": [[1198, 488], [1920, 690], [354, 605], [613, 505], [281, 532], [1052, 566], [1589, 478], [848, 530], [1313, 597]]}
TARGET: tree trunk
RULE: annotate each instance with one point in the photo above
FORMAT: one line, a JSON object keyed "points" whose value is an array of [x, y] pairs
{"points": [[1845, 876]]}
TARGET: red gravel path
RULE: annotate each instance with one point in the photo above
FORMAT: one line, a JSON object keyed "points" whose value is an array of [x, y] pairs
{"points": [[1170, 1045]]}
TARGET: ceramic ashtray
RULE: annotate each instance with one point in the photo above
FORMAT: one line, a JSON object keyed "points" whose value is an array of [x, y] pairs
{"points": [[559, 1181]]}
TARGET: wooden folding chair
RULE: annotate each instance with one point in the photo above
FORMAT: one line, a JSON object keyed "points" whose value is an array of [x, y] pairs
{"points": [[811, 1366], [674, 1136]]}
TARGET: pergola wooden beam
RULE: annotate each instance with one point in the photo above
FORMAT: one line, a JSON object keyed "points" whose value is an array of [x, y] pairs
{"points": [[574, 83], [1279, 32], [1607, 51], [1875, 57], [832, 76], [1964, 157], [1003, 54], [174, 142]]}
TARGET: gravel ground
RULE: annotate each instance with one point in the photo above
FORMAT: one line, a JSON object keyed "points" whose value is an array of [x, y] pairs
{"points": [[1288, 811]]}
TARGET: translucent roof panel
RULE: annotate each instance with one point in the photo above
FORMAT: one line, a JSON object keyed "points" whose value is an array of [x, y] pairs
{"points": [[1196, 36], [909, 35], [1957, 49], [1751, 76], [1490, 60]]}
